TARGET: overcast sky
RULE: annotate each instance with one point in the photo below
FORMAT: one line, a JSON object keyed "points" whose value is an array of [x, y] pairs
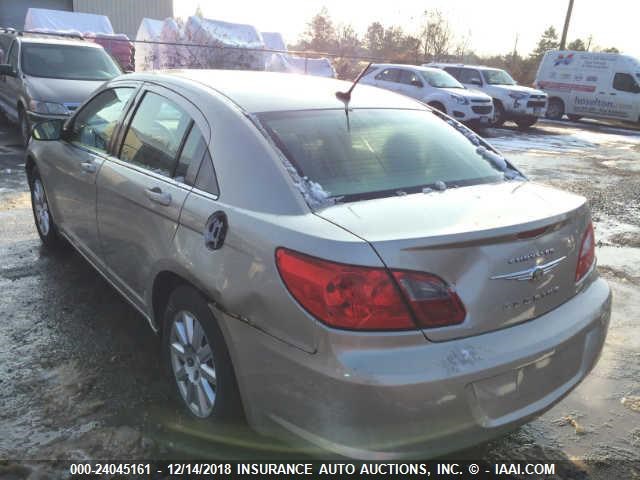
{"points": [[492, 24]]}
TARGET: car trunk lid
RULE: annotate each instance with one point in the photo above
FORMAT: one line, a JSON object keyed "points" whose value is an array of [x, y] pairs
{"points": [[509, 250]]}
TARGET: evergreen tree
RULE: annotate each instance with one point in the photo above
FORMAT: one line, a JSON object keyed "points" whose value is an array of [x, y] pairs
{"points": [[577, 45], [548, 41]]}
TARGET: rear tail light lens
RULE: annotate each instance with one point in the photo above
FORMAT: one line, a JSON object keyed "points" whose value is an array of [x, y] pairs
{"points": [[587, 253], [344, 296], [367, 298], [433, 302]]}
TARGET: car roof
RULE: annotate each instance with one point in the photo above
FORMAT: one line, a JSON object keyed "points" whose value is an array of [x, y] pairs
{"points": [[256, 91], [402, 65], [463, 65], [57, 41]]}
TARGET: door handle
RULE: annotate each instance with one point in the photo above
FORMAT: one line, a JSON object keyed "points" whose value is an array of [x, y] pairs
{"points": [[88, 167], [156, 195], [612, 93]]}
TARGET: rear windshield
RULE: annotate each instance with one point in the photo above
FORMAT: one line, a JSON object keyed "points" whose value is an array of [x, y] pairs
{"points": [[67, 62], [497, 77], [440, 79], [385, 152]]}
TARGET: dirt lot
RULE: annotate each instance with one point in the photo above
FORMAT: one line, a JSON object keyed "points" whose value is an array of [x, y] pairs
{"points": [[79, 371]]}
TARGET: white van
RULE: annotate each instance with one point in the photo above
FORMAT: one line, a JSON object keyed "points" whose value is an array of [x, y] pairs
{"points": [[435, 88], [590, 84]]}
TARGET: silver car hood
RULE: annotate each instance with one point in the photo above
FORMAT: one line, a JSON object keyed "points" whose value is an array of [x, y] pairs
{"points": [[60, 90], [470, 236]]}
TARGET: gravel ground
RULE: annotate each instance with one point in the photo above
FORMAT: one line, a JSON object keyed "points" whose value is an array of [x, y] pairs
{"points": [[79, 371]]}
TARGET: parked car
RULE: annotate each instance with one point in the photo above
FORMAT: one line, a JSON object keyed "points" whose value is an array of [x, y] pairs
{"points": [[45, 78], [435, 88], [520, 104], [375, 279], [590, 84]]}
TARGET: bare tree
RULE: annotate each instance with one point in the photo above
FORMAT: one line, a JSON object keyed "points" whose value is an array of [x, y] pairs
{"points": [[436, 35]]}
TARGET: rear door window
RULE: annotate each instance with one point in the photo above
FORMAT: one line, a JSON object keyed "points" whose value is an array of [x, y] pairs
{"points": [[155, 135], [413, 79], [454, 72], [389, 75], [192, 152], [469, 75], [95, 124]]}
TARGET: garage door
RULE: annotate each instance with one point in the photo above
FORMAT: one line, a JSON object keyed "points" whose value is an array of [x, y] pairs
{"points": [[12, 13]]}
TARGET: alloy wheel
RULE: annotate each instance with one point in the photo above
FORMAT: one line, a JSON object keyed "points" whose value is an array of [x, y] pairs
{"points": [[41, 208], [192, 364]]}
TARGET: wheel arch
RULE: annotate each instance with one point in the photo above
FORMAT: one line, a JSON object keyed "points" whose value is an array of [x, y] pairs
{"points": [[438, 105], [497, 101], [29, 166], [166, 280], [556, 98]]}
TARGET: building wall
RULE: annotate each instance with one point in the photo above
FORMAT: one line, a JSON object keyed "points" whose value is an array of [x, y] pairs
{"points": [[12, 12], [126, 15]]}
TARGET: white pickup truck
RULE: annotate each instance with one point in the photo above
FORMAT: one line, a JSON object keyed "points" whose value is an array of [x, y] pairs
{"points": [[520, 104]]}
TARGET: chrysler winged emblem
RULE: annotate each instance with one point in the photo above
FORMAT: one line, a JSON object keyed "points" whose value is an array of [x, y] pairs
{"points": [[535, 273]]}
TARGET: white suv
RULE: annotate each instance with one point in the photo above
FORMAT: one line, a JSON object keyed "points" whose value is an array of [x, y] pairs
{"points": [[435, 88], [523, 105]]}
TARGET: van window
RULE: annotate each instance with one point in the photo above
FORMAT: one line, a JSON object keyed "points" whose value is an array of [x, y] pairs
{"points": [[625, 83]]}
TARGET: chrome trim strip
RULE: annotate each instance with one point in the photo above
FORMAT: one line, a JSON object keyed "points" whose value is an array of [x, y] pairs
{"points": [[530, 273]]}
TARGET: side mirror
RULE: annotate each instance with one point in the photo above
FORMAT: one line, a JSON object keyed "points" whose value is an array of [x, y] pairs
{"points": [[48, 130], [6, 69], [417, 83], [476, 81]]}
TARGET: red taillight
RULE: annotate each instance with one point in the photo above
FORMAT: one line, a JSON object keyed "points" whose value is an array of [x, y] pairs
{"points": [[587, 253], [433, 302], [344, 296], [367, 298]]}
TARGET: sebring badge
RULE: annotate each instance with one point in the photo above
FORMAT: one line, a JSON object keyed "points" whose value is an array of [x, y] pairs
{"points": [[535, 273]]}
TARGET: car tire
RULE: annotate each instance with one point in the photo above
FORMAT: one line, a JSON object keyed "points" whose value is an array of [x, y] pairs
{"points": [[46, 227], [498, 114], [197, 358], [525, 123], [555, 109], [574, 118], [24, 126]]}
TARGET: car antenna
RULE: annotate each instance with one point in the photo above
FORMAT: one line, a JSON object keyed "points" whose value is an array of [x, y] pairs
{"points": [[345, 97]]}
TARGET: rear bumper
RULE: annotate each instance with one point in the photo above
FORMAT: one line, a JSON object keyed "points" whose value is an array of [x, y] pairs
{"points": [[385, 397]]}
